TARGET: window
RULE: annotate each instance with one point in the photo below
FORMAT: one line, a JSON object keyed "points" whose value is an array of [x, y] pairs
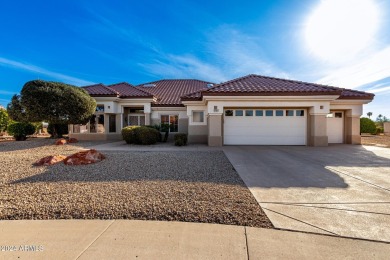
{"points": [[300, 112], [100, 108], [136, 119], [279, 112], [197, 116], [100, 123], [228, 112], [92, 124], [239, 112], [289, 112], [269, 113], [338, 115], [259, 113], [248, 112], [112, 123], [172, 120], [330, 115]]}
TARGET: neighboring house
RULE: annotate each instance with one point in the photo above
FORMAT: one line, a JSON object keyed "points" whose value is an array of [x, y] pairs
{"points": [[251, 110]]}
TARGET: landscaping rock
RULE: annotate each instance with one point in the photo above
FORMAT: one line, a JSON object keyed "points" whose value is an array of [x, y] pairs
{"points": [[50, 160], [72, 140], [61, 141], [84, 157]]}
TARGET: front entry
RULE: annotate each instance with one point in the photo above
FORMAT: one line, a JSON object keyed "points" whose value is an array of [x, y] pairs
{"points": [[136, 119], [335, 127]]}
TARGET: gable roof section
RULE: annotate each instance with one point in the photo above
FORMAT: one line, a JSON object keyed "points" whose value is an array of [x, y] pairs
{"points": [[100, 90], [169, 91], [127, 90], [268, 86]]}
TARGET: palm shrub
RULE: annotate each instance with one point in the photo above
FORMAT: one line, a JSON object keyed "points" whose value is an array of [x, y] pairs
{"points": [[180, 139], [20, 130], [367, 126]]}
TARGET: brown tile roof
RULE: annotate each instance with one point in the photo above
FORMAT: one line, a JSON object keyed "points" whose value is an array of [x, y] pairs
{"points": [[169, 91], [100, 90], [127, 90], [266, 86]]}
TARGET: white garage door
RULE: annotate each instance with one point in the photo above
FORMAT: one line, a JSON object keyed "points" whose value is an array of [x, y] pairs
{"points": [[265, 127], [335, 127]]}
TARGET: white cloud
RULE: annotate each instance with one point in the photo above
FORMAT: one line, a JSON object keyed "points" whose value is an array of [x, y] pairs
{"points": [[371, 69], [42, 71], [4, 92]]}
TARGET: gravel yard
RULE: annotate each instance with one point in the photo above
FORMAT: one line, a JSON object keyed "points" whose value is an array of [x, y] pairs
{"points": [[175, 186], [379, 140]]}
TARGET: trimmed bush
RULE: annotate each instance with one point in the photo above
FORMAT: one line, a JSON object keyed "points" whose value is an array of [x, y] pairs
{"points": [[57, 130], [20, 130], [180, 139], [367, 126], [140, 135], [128, 134]]}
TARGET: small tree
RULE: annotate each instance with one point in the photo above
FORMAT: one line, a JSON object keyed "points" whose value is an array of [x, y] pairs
{"points": [[20, 130], [379, 118], [52, 102], [369, 114], [4, 120]]}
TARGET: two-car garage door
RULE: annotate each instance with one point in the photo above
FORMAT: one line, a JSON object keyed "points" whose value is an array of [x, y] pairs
{"points": [[265, 126]]}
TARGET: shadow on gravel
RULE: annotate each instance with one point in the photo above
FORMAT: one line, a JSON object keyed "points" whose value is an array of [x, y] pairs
{"points": [[189, 166]]}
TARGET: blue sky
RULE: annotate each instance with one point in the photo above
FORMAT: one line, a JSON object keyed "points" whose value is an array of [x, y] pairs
{"points": [[85, 42]]}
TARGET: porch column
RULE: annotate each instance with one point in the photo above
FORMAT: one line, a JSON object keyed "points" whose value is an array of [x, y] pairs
{"points": [[147, 118], [121, 121], [317, 130], [352, 128], [215, 129]]}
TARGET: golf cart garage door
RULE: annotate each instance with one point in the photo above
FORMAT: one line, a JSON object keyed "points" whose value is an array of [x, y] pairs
{"points": [[335, 127], [265, 126]]}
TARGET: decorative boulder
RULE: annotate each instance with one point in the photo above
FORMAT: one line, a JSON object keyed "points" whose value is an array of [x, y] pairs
{"points": [[72, 140], [50, 160], [61, 141], [84, 157]]}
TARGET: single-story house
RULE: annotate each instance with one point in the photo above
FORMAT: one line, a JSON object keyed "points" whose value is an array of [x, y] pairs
{"points": [[251, 110]]}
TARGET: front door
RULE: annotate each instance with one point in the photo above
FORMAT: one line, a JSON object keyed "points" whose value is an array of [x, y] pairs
{"points": [[335, 127]]}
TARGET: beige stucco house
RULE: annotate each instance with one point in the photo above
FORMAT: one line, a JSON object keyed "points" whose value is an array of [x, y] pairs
{"points": [[251, 110]]}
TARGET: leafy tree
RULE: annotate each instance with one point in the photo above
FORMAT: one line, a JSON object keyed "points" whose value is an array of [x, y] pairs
{"points": [[367, 126], [52, 102], [369, 114], [379, 118], [15, 109], [4, 120]]}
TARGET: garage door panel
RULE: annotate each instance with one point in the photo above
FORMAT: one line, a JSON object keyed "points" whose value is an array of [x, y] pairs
{"points": [[274, 130]]}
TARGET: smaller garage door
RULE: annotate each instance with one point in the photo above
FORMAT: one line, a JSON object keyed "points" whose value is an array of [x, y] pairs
{"points": [[335, 127]]}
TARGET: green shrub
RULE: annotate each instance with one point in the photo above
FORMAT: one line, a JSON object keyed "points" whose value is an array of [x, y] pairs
{"points": [[21, 130], [57, 130], [367, 126], [140, 135], [128, 134], [180, 139], [146, 135]]}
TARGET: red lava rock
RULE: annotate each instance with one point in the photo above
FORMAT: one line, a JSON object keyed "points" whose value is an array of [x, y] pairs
{"points": [[61, 141], [50, 160], [72, 140], [84, 157]]}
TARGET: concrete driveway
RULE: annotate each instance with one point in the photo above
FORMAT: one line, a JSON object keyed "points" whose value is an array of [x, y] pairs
{"points": [[337, 190]]}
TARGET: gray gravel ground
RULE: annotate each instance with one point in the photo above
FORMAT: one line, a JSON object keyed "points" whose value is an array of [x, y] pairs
{"points": [[175, 186]]}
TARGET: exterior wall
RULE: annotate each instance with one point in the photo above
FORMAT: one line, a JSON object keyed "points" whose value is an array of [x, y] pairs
{"points": [[215, 130], [352, 130], [317, 132], [198, 134], [386, 127]]}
